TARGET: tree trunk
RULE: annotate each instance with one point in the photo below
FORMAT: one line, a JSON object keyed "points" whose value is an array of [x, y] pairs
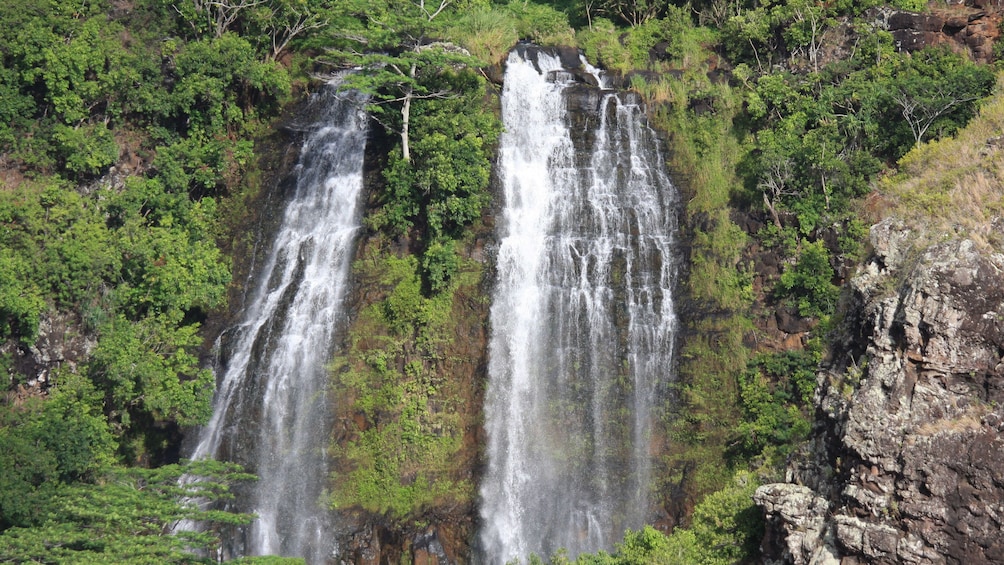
{"points": [[773, 211], [405, 119], [405, 115]]}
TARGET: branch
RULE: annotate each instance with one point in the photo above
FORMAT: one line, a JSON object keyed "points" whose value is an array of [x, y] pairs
{"points": [[351, 37], [442, 5], [303, 22], [439, 94], [225, 12]]}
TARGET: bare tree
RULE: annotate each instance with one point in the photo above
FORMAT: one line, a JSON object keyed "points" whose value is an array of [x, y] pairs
{"points": [[812, 17], [431, 15], [634, 12], [221, 14], [923, 105], [296, 22], [774, 184]]}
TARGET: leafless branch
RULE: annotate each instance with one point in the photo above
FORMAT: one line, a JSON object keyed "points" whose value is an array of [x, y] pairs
{"points": [[442, 6]]}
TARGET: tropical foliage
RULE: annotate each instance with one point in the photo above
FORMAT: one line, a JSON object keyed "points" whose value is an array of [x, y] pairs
{"points": [[127, 158]]}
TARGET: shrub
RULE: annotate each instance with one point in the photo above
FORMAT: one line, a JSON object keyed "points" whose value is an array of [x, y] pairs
{"points": [[809, 283]]}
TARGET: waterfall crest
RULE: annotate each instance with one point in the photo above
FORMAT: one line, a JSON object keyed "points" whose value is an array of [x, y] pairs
{"points": [[271, 412], [582, 316]]}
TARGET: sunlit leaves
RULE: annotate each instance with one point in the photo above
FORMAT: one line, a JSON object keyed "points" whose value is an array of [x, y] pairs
{"points": [[149, 367], [126, 516], [219, 80]]}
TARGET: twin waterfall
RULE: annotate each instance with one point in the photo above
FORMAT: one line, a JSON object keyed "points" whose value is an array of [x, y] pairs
{"points": [[271, 413], [582, 324], [582, 316]]}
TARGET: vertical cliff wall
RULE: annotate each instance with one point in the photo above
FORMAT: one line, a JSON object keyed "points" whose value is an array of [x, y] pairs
{"points": [[905, 462]]}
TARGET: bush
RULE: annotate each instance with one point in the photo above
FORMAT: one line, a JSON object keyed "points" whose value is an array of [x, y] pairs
{"points": [[727, 525], [21, 302], [809, 283], [776, 398], [85, 150], [602, 46], [440, 263]]}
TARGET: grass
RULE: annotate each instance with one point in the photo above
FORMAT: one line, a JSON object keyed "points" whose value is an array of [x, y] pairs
{"points": [[488, 34], [969, 419], [955, 185]]}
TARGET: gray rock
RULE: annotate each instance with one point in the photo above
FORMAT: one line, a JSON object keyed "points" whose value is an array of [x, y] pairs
{"points": [[905, 462]]}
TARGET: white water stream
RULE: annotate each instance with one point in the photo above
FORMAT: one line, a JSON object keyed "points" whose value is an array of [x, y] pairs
{"points": [[582, 318], [271, 412]]}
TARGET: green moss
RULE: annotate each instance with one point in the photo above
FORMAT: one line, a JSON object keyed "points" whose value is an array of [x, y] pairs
{"points": [[402, 454], [713, 353]]}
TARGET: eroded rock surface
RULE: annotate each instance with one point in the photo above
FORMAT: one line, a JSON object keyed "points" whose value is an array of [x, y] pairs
{"points": [[970, 27], [907, 462], [62, 344]]}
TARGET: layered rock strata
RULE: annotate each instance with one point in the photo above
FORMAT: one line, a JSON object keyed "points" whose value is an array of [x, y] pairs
{"points": [[970, 27]]}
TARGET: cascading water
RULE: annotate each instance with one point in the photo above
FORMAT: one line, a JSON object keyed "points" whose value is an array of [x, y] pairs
{"points": [[582, 316], [271, 412]]}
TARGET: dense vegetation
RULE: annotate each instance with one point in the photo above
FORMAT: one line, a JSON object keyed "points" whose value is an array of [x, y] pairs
{"points": [[127, 161], [124, 138]]}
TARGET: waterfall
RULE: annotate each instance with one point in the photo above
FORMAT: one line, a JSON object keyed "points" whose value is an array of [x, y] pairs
{"points": [[582, 316], [271, 412]]}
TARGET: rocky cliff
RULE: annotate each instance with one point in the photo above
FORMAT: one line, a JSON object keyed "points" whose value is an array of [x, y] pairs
{"points": [[969, 27], [905, 461]]}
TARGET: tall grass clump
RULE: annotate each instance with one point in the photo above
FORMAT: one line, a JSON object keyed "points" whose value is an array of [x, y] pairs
{"points": [[487, 33], [540, 24]]}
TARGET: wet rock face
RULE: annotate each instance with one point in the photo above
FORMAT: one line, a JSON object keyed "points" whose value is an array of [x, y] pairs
{"points": [[906, 462]]}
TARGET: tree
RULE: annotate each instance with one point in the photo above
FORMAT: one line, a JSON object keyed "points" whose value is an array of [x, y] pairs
{"points": [[147, 368], [285, 20], [806, 29], [391, 43], [727, 526], [216, 16], [776, 164], [127, 516], [634, 12], [924, 100], [400, 79], [46, 443], [220, 83], [775, 184], [424, 90], [932, 92], [271, 24]]}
